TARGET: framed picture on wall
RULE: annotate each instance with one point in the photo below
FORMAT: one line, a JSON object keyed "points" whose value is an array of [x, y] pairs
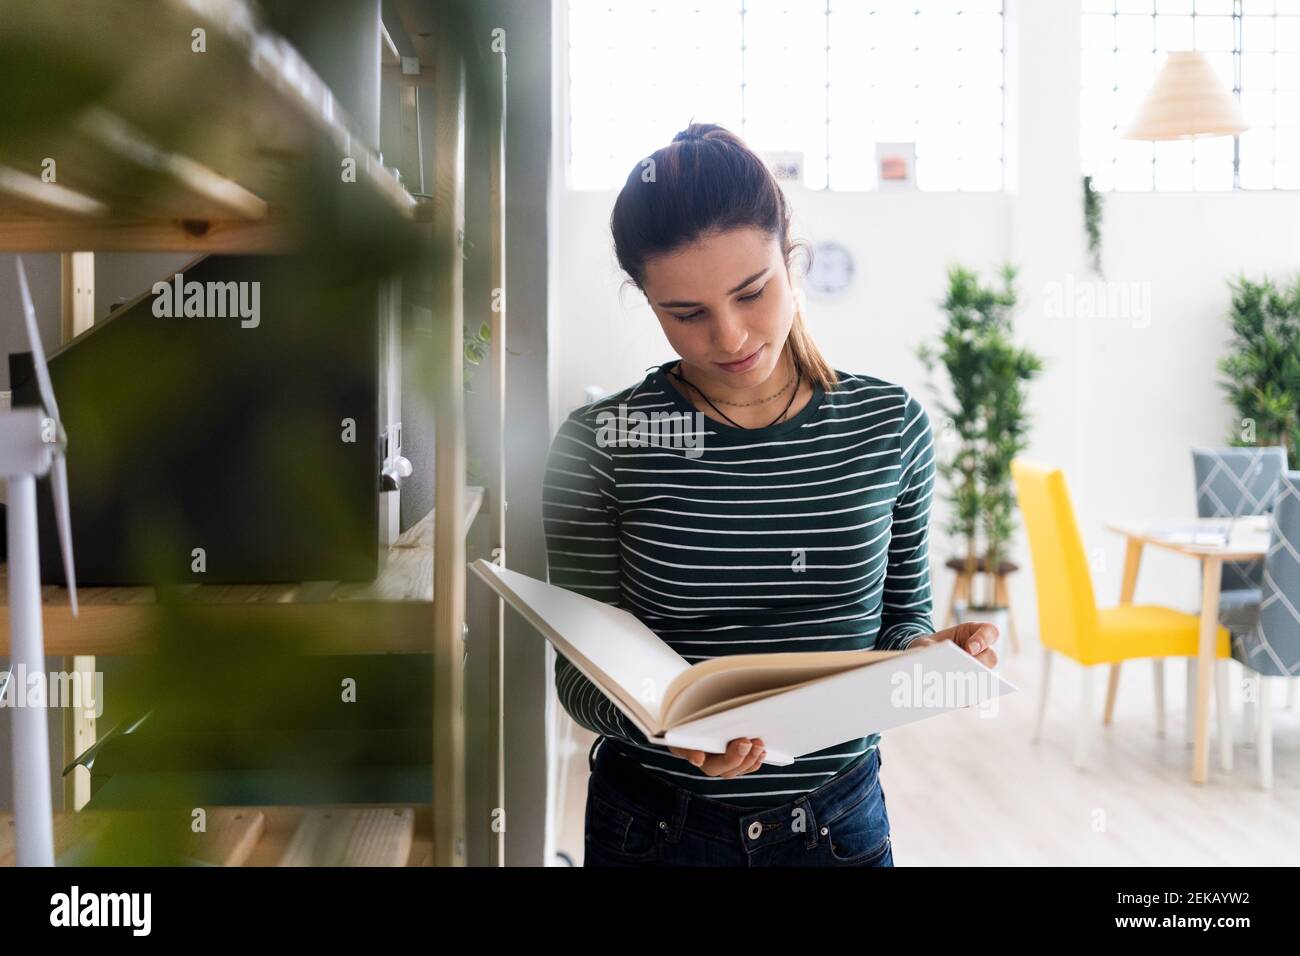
{"points": [[787, 167], [896, 165]]}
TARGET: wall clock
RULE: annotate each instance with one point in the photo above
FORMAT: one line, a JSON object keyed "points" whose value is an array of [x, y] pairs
{"points": [[832, 269]]}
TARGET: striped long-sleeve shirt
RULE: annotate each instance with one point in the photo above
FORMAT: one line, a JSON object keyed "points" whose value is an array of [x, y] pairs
{"points": [[809, 535]]}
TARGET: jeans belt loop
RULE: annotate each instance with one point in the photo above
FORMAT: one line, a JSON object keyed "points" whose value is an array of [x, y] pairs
{"points": [[678, 822]]}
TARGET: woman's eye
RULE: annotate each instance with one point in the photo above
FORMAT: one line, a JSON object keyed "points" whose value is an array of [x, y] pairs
{"points": [[743, 298]]}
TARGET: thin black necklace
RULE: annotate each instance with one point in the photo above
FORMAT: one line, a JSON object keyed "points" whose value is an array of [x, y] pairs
{"points": [[798, 380]]}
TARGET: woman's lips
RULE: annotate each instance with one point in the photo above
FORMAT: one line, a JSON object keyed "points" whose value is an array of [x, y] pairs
{"points": [[744, 365]]}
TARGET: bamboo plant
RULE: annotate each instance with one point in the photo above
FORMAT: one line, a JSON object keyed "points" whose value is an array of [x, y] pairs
{"points": [[1263, 368], [985, 413]]}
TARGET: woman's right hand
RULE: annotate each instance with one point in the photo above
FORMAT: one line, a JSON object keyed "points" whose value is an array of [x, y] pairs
{"points": [[742, 755]]}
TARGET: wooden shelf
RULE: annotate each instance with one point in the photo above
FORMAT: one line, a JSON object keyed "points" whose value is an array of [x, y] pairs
{"points": [[157, 146], [392, 614], [239, 148], [361, 835]]}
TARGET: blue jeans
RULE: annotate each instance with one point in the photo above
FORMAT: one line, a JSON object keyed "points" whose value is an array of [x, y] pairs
{"points": [[634, 818]]}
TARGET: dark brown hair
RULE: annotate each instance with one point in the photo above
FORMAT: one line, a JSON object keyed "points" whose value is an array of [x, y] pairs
{"points": [[707, 181]]}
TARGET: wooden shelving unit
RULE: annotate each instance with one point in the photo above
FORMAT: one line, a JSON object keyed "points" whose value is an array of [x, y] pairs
{"points": [[192, 151], [271, 836], [391, 614], [228, 149]]}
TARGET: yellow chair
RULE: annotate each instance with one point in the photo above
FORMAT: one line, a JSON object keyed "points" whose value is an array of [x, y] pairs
{"points": [[1069, 620]]}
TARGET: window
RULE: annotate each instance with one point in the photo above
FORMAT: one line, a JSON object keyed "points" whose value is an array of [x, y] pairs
{"points": [[827, 78], [1254, 46]]}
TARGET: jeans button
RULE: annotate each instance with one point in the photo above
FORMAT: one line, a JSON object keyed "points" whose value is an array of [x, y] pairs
{"points": [[755, 830]]}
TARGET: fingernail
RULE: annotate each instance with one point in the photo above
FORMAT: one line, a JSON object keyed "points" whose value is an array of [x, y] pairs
{"points": [[975, 647], [744, 748], [698, 760]]}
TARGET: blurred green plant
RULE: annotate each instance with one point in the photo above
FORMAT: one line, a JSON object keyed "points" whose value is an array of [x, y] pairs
{"points": [[476, 348], [1263, 366], [1092, 209], [986, 415], [233, 709]]}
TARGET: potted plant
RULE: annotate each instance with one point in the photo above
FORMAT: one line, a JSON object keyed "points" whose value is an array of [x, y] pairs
{"points": [[1092, 209], [1263, 367], [986, 426]]}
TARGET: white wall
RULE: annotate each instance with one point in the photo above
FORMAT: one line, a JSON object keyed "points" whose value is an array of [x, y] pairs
{"points": [[1123, 399]]}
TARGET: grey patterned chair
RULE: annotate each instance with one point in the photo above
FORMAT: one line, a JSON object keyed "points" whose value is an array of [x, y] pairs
{"points": [[1267, 642], [1234, 483]]}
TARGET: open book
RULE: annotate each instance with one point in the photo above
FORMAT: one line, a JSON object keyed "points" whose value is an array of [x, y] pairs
{"points": [[797, 702]]}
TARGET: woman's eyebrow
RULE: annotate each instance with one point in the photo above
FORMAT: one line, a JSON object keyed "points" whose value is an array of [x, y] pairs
{"points": [[681, 303]]}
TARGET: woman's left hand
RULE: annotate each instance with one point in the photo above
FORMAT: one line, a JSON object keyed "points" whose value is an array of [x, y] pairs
{"points": [[974, 637]]}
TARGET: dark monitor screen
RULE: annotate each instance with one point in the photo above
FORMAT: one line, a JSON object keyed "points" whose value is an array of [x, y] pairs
{"points": [[239, 445]]}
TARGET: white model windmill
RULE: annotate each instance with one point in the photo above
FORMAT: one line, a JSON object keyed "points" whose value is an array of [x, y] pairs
{"points": [[32, 442]]}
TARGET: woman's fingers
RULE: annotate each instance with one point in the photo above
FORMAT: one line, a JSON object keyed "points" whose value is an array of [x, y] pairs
{"points": [[753, 760], [749, 766], [696, 757], [741, 756], [979, 637], [719, 765], [974, 637]]}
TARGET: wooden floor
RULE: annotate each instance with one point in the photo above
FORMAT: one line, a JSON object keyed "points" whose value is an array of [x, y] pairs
{"points": [[966, 789]]}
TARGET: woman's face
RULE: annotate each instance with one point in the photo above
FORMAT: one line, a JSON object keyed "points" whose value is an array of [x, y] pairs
{"points": [[726, 306]]}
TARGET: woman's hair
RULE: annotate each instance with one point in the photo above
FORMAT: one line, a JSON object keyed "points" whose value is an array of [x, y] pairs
{"points": [[707, 181]]}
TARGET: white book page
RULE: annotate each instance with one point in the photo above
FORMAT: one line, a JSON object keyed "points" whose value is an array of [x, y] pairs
{"points": [[909, 686], [621, 648]]}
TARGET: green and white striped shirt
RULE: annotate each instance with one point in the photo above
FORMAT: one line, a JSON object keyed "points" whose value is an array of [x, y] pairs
{"points": [[809, 535]]}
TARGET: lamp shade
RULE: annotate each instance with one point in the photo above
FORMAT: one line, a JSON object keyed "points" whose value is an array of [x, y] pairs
{"points": [[1186, 100]]}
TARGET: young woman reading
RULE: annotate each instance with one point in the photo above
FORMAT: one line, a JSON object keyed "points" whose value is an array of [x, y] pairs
{"points": [[796, 520]]}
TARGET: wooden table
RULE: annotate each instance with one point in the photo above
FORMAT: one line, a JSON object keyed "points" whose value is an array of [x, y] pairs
{"points": [[1193, 537]]}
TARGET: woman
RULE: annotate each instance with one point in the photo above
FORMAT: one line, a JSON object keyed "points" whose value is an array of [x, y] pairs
{"points": [[791, 516]]}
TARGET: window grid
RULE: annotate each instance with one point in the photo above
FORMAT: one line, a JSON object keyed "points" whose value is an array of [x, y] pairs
{"points": [[956, 150], [1268, 164]]}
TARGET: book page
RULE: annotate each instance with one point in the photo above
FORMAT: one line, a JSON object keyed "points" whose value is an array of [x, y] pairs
{"points": [[907, 686], [714, 684], [610, 646]]}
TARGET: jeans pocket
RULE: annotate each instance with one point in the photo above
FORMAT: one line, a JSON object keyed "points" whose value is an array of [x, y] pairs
{"points": [[617, 828], [860, 836]]}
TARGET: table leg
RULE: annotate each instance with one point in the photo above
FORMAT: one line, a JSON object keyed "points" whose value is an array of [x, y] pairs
{"points": [[1112, 691], [1212, 571], [1132, 560]]}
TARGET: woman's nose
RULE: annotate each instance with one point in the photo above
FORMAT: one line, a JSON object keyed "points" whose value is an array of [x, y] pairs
{"points": [[730, 336]]}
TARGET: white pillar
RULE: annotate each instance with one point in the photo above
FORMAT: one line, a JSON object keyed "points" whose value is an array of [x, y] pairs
{"points": [[33, 826]]}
